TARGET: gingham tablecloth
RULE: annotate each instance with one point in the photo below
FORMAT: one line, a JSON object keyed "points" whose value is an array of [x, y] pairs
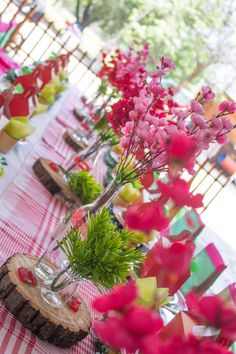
{"points": [[28, 216]]}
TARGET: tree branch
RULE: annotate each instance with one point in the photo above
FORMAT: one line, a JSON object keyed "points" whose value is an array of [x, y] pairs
{"points": [[77, 11]]}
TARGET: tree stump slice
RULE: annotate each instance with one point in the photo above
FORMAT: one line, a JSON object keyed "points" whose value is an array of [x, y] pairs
{"points": [[72, 139], [54, 182], [78, 115], [61, 327]]}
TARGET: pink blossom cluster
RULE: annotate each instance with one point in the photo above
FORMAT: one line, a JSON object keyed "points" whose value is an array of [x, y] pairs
{"points": [[153, 122], [125, 71], [128, 325], [131, 327]]}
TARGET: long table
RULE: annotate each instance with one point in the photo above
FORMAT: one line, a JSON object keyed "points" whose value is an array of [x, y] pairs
{"points": [[29, 214]]}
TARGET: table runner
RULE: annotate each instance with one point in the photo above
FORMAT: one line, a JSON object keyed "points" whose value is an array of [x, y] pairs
{"points": [[28, 216]]}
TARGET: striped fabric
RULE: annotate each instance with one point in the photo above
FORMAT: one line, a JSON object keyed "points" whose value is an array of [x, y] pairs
{"points": [[28, 216]]}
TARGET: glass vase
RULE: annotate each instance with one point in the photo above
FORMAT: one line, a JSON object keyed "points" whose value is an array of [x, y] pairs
{"points": [[62, 287], [53, 260], [88, 152]]}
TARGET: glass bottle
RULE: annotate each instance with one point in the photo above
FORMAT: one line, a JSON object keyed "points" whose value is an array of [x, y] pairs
{"points": [[62, 288], [53, 267]]}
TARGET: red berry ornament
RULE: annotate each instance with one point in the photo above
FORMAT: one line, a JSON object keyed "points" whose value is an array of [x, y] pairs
{"points": [[54, 167], [27, 276]]}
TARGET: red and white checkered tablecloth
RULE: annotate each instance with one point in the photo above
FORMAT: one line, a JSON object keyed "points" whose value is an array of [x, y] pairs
{"points": [[28, 216], [53, 137]]}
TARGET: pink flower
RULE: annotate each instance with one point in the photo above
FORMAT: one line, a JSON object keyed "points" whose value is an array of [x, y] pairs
{"points": [[133, 115], [191, 345], [160, 73], [147, 180], [124, 142], [208, 94], [167, 64], [232, 107], [223, 106], [227, 106], [129, 330], [181, 125], [180, 147], [197, 108], [216, 123], [204, 137], [178, 191], [227, 123], [140, 107], [113, 333], [222, 139], [156, 89], [170, 265], [198, 120], [181, 113], [214, 312], [118, 299], [146, 217], [127, 129], [141, 321]]}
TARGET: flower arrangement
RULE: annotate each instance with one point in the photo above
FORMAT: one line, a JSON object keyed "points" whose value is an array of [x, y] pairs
{"points": [[84, 186], [133, 328], [125, 71], [102, 256], [104, 139], [156, 136]]}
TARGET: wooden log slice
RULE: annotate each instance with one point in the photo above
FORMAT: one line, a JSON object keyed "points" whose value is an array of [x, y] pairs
{"points": [[72, 139], [78, 115], [59, 326], [54, 181]]}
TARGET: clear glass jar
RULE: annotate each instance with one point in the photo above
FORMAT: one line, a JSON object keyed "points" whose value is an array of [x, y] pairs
{"points": [[62, 287], [53, 255]]}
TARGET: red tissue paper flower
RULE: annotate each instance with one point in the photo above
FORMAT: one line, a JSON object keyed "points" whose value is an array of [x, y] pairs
{"points": [[146, 217], [81, 163], [130, 329], [119, 298], [191, 345], [180, 147], [77, 218], [170, 265], [178, 191], [147, 180], [129, 324], [214, 312]]}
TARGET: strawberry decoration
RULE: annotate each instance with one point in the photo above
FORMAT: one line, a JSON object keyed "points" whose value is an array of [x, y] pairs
{"points": [[85, 126], [74, 304], [54, 167], [81, 163], [27, 276]]}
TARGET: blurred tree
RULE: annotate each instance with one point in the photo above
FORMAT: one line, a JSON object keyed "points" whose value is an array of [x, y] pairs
{"points": [[196, 34], [110, 15]]}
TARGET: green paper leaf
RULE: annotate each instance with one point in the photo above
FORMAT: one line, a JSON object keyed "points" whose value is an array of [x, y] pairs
{"points": [[149, 294], [53, 55], [18, 89], [26, 70], [194, 267]]}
